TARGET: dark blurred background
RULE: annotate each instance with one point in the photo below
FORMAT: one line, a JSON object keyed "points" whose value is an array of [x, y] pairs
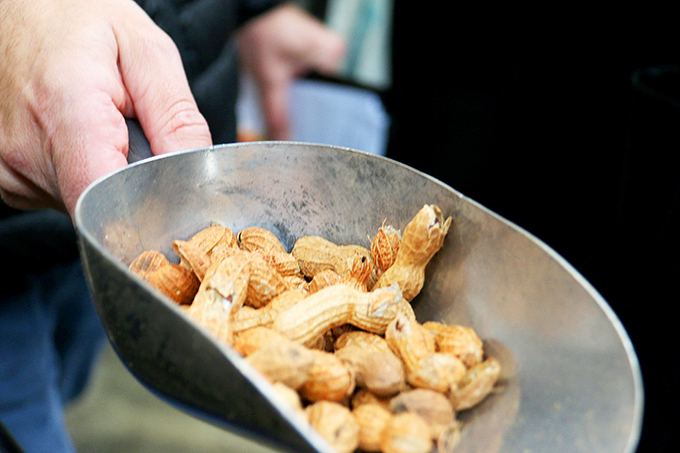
{"points": [[565, 122]]}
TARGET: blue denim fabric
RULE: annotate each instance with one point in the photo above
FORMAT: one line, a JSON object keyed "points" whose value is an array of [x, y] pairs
{"points": [[49, 338]]}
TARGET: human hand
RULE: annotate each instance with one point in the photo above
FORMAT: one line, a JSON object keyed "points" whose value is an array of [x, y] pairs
{"points": [[279, 46], [70, 72]]}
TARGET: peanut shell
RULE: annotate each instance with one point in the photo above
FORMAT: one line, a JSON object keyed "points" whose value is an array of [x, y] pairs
{"points": [[461, 341], [336, 424], [257, 238], [423, 237], [283, 361], [434, 407], [177, 282], [372, 419], [148, 262], [328, 379], [406, 432], [384, 247], [476, 384], [381, 372]]}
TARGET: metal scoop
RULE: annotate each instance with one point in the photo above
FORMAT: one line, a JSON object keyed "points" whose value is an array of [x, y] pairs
{"points": [[571, 376]]}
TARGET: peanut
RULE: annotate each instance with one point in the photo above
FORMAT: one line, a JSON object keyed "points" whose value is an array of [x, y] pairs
{"points": [[365, 396], [249, 341], [148, 262], [422, 238], [364, 340], [384, 247], [192, 257], [360, 273], [176, 282], [221, 294], [315, 254], [328, 379], [248, 317], [449, 438], [476, 384], [461, 341], [424, 367], [284, 263], [216, 241], [291, 397], [336, 424], [381, 372], [283, 361], [264, 282], [322, 279], [433, 407], [406, 432], [404, 380], [257, 238], [337, 305], [373, 420]]}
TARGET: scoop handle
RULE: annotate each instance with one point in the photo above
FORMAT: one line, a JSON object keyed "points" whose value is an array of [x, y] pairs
{"points": [[139, 147]]}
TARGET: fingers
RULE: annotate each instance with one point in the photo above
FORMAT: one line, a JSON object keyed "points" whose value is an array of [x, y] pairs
{"points": [[70, 72], [155, 81], [326, 50], [274, 98]]}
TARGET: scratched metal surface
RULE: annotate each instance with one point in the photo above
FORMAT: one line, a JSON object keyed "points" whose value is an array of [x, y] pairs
{"points": [[572, 381]]}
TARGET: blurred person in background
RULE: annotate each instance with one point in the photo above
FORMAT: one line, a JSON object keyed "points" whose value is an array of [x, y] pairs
{"points": [[71, 71]]}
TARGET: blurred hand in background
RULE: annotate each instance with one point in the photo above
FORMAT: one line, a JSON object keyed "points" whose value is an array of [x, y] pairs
{"points": [[280, 45]]}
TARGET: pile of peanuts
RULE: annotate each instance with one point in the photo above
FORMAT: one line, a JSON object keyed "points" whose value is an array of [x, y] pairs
{"points": [[332, 328]]}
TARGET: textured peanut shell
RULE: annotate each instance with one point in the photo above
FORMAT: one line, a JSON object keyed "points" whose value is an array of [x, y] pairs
{"points": [[328, 379], [215, 238], [406, 433], [192, 257], [460, 341], [361, 339], [438, 371], [372, 419], [175, 281], [264, 283], [449, 438], [257, 238], [423, 237], [148, 262], [384, 247], [434, 407], [249, 341], [425, 368], [409, 340], [381, 372], [283, 361], [336, 424], [285, 264], [249, 317], [323, 279], [365, 396], [476, 384], [337, 305], [222, 292], [315, 254], [360, 273]]}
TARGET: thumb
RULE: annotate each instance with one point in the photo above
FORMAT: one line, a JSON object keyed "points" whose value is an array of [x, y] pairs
{"points": [[159, 92]]}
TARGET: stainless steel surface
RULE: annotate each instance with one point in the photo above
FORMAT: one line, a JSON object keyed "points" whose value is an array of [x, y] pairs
{"points": [[572, 378]]}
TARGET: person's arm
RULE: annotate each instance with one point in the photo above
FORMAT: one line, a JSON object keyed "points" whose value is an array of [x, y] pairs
{"points": [[70, 72]]}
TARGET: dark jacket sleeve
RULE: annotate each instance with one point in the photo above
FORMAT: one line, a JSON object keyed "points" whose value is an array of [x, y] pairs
{"points": [[200, 28]]}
